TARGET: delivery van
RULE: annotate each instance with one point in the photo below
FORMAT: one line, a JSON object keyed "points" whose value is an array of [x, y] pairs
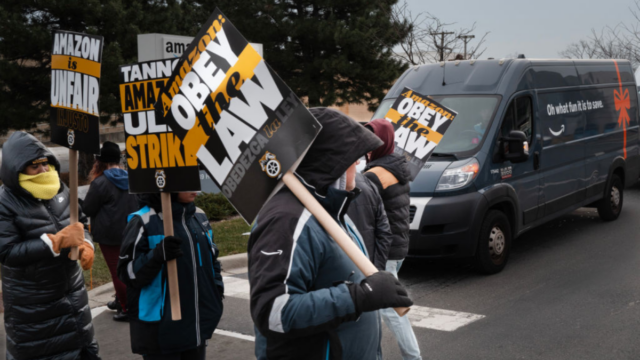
{"points": [[533, 140]]}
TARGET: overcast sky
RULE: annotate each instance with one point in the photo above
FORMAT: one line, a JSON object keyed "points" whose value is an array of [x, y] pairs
{"points": [[538, 28]]}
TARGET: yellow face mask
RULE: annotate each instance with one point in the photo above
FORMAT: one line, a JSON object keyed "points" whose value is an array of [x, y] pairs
{"points": [[42, 186]]}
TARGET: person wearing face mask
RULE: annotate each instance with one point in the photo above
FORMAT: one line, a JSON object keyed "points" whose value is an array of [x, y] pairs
{"points": [[108, 204], [389, 172], [308, 299], [47, 313], [143, 255]]}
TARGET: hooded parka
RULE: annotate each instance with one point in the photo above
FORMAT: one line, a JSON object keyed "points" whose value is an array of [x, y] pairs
{"points": [[153, 331], [47, 313], [300, 303], [391, 176]]}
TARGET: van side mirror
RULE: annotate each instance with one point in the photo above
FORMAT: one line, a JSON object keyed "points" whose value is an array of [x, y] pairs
{"points": [[515, 147]]}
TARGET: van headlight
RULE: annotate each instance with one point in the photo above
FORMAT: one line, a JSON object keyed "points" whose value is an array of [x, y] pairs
{"points": [[458, 177]]}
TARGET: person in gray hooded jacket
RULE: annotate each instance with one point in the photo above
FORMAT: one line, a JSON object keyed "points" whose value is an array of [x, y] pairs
{"points": [[306, 294]]}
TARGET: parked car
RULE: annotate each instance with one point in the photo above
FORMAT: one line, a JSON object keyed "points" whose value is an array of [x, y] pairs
{"points": [[533, 140]]}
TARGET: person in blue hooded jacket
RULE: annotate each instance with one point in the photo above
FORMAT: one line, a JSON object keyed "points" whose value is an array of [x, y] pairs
{"points": [[108, 203]]}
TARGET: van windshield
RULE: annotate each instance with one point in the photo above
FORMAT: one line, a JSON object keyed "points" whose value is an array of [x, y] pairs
{"points": [[468, 129]]}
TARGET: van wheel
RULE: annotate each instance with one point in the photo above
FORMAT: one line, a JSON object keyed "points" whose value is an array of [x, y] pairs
{"points": [[610, 206], [494, 243]]}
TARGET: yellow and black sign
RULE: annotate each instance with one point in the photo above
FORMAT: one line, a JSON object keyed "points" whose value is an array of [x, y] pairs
{"points": [[419, 124], [155, 156], [230, 110], [75, 89]]}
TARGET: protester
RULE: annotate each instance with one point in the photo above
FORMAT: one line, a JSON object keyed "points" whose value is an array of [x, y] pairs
{"points": [[367, 213], [144, 252], [306, 294], [108, 203], [390, 174], [47, 314]]}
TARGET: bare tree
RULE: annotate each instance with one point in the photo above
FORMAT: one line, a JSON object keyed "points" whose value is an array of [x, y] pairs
{"points": [[431, 40], [621, 41]]}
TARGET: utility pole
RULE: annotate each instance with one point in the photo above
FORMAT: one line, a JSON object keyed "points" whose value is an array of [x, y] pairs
{"points": [[441, 47], [466, 39]]}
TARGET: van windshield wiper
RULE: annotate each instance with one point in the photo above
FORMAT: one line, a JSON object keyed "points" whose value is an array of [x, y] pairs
{"points": [[445, 155]]}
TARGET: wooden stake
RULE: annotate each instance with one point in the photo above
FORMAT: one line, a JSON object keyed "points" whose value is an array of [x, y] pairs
{"points": [[333, 229], [73, 195], [172, 267]]}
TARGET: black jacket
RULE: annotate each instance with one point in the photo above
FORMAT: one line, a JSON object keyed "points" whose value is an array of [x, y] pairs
{"points": [[299, 303], [47, 313], [108, 207], [367, 213], [199, 278], [391, 176]]}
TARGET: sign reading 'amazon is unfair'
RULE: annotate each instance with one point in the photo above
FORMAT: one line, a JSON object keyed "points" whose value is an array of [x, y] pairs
{"points": [[75, 89], [235, 116], [419, 123]]}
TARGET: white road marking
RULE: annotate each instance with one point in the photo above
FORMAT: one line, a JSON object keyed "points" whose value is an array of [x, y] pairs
{"points": [[236, 287], [440, 319], [234, 335], [97, 311], [420, 316]]}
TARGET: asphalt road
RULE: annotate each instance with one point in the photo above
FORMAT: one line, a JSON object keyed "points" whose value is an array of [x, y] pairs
{"points": [[570, 291]]}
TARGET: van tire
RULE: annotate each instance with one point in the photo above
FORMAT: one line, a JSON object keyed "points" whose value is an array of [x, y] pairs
{"points": [[494, 243], [610, 207]]}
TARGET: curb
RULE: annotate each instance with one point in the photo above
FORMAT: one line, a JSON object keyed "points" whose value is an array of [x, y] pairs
{"points": [[106, 289], [228, 263], [233, 262]]}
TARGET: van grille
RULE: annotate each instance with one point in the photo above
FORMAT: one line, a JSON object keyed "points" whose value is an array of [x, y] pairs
{"points": [[412, 213]]}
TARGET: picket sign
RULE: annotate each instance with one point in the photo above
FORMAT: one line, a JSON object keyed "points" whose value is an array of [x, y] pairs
{"points": [[76, 60], [73, 196], [335, 231], [172, 267]]}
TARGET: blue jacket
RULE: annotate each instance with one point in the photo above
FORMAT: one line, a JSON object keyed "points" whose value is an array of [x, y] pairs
{"points": [[299, 303], [200, 281]]}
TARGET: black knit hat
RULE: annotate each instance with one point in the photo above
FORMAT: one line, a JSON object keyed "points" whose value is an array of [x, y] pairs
{"points": [[110, 153]]}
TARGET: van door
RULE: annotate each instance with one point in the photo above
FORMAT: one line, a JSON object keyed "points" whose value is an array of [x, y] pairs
{"points": [[523, 177], [563, 129]]}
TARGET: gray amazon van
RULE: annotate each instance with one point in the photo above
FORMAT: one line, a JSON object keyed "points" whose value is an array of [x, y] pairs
{"points": [[533, 140]]}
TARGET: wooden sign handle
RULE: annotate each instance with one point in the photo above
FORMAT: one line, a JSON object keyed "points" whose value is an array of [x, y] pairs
{"points": [[172, 267], [333, 229], [73, 195]]}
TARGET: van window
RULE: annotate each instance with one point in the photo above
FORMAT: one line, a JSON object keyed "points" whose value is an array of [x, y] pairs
{"points": [[518, 117]]}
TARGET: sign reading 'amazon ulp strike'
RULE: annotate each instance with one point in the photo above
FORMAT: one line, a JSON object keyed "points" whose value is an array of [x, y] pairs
{"points": [[154, 152], [235, 116], [419, 124], [75, 88]]}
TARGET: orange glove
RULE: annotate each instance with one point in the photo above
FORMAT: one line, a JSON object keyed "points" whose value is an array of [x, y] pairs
{"points": [[85, 255], [70, 236]]}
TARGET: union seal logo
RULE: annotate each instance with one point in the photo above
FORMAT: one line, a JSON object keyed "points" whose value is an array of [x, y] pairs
{"points": [[161, 179], [270, 165], [71, 137]]}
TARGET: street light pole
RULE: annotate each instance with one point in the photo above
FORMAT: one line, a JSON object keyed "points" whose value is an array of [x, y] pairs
{"points": [[441, 47], [466, 39]]}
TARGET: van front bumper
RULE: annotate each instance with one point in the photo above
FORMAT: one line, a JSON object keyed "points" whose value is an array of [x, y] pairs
{"points": [[446, 226]]}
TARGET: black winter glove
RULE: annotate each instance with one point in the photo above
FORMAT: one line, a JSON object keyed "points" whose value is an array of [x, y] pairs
{"points": [[167, 249], [379, 291]]}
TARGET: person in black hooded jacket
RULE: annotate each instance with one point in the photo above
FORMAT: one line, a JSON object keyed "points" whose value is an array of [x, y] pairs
{"points": [[390, 174], [143, 255], [308, 299], [108, 204], [47, 313], [368, 214]]}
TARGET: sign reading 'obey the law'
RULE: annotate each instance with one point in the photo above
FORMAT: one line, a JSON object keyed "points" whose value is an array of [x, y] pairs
{"points": [[419, 124], [235, 116], [75, 89], [154, 153]]}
